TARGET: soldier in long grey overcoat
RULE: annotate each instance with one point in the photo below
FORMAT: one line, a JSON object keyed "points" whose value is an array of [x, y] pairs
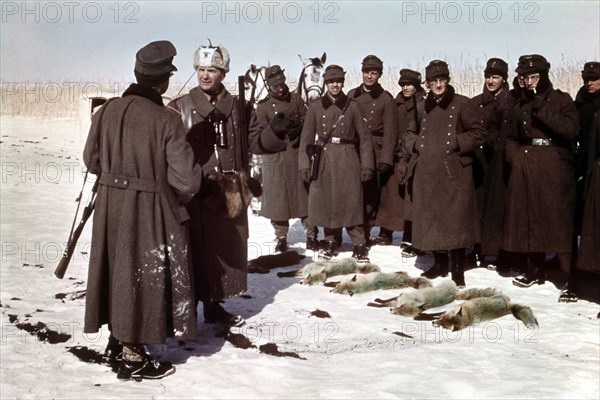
{"points": [[539, 215], [378, 108], [394, 212], [334, 126], [492, 171], [274, 133], [140, 279], [444, 206], [218, 241]]}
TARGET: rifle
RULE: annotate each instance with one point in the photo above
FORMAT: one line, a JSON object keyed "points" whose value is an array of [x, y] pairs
{"points": [[63, 264]]}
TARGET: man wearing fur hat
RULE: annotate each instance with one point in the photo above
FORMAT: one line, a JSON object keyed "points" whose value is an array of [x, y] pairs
{"points": [[139, 279], [491, 171], [539, 214], [587, 102], [377, 106], [275, 130], [336, 144], [218, 239], [444, 205], [395, 209]]}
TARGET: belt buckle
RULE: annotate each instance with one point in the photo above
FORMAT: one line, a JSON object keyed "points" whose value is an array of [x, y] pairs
{"points": [[537, 142], [335, 140]]}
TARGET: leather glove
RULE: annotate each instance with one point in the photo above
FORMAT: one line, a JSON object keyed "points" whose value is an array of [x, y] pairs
{"points": [[294, 132], [305, 174], [280, 125], [537, 102], [384, 168], [366, 174]]}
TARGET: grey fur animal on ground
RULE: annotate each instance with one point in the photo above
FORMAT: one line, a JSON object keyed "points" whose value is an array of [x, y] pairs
{"points": [[483, 309], [317, 272], [379, 280], [412, 303]]}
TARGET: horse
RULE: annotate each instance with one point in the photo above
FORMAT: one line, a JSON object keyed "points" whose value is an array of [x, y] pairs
{"points": [[255, 85], [310, 82]]}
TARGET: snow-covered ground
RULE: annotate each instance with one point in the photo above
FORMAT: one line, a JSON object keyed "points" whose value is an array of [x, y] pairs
{"points": [[355, 352]]}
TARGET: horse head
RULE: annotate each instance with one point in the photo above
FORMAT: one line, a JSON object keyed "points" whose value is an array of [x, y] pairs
{"points": [[310, 83], [255, 85]]}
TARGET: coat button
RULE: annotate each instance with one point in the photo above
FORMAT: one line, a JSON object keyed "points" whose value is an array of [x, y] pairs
{"points": [[525, 151], [116, 181]]}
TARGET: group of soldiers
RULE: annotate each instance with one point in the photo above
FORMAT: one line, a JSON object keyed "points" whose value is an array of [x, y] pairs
{"points": [[497, 172]]}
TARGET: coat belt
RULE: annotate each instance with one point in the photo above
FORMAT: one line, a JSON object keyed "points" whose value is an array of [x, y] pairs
{"points": [[335, 140], [131, 183]]}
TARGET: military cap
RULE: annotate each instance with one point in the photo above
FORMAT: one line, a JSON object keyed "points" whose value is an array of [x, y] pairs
{"points": [[211, 56], [154, 62], [409, 77], [529, 64], [274, 75], [436, 69], [591, 71], [372, 62], [496, 66], [333, 72]]}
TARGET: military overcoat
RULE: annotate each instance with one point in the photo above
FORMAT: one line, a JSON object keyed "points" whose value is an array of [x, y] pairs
{"points": [[444, 207], [335, 198], [139, 278], [285, 194]]}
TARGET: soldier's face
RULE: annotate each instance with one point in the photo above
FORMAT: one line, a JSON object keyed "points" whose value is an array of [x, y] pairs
{"points": [[370, 77], [278, 89], [438, 86], [493, 83], [210, 78], [408, 90], [531, 81], [592, 86], [334, 86]]}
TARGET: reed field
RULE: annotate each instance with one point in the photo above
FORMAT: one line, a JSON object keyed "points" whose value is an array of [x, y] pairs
{"points": [[70, 100]]}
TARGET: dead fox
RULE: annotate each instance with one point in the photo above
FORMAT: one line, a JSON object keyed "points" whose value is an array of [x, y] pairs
{"points": [[412, 303], [317, 272], [482, 309], [379, 280]]}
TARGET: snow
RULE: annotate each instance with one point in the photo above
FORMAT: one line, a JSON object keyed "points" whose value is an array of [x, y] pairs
{"points": [[358, 352]]}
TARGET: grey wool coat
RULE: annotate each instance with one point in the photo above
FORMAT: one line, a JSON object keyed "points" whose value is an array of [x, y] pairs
{"points": [[540, 207], [335, 198], [285, 194], [219, 244], [444, 205], [139, 279]]}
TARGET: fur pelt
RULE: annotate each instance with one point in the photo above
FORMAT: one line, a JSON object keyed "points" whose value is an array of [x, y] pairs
{"points": [[230, 193], [379, 280], [483, 309], [264, 264], [316, 273]]}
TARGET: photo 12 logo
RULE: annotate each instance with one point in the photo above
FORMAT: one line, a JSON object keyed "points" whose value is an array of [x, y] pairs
{"points": [[269, 12], [469, 11], [69, 11]]}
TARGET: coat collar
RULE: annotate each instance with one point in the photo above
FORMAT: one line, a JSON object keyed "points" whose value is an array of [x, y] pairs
{"points": [[488, 97], [409, 103], [431, 103], [340, 102], [375, 92], [584, 97], [144, 91], [204, 107]]}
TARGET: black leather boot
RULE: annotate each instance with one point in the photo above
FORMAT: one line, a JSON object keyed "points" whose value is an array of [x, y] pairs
{"points": [[281, 245], [535, 274], [440, 268], [458, 267]]}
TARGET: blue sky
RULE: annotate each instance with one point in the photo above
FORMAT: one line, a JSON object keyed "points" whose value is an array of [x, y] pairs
{"points": [[97, 40]]}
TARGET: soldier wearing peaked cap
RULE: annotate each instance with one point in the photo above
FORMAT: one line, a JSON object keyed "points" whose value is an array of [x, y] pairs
{"points": [[491, 173], [335, 133], [444, 201], [539, 214], [378, 108], [139, 268], [211, 116], [275, 129], [587, 217], [395, 209]]}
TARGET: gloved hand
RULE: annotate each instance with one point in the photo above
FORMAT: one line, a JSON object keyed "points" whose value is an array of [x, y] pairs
{"points": [[384, 168], [366, 174], [295, 130], [280, 125], [305, 174], [536, 102]]}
